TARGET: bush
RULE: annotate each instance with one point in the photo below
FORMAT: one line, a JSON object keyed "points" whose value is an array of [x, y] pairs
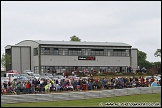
{"points": [[67, 73], [100, 74], [109, 73], [129, 73], [150, 73], [139, 73], [119, 73]]}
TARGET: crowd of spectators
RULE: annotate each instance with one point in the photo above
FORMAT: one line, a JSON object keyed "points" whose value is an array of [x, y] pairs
{"points": [[72, 84]]}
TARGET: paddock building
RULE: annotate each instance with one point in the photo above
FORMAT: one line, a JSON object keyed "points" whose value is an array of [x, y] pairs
{"points": [[43, 56]]}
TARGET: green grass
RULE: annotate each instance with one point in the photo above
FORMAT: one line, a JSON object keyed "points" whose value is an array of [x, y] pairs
{"points": [[156, 97]]}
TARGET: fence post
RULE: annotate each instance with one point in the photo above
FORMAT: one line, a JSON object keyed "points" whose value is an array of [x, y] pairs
{"points": [[152, 89], [53, 98], [18, 99], [127, 91], [36, 98], [84, 95]]}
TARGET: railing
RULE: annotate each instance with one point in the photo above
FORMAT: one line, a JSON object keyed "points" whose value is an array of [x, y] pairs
{"points": [[77, 95]]}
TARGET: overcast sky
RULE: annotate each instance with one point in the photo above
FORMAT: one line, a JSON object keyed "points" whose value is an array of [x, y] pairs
{"points": [[133, 22]]}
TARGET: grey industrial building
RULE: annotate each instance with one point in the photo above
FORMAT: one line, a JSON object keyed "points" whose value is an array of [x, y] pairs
{"points": [[57, 56]]}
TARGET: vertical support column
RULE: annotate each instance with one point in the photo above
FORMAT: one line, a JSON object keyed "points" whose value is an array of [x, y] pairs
{"points": [[20, 61], [39, 58]]}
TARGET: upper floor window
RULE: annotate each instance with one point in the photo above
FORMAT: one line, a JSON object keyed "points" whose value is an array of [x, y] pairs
{"points": [[35, 51]]}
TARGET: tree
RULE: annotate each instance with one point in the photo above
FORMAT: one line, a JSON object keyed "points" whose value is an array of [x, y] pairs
{"points": [[5, 60], [156, 64], [141, 57], [142, 62], [75, 38], [157, 53]]}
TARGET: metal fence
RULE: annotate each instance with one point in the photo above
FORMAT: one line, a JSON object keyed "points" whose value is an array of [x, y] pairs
{"points": [[77, 95]]}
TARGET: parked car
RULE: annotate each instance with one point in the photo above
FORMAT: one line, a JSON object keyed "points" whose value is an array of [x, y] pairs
{"points": [[28, 72], [44, 77], [12, 74], [37, 76], [47, 74], [22, 78], [13, 71], [159, 76], [73, 77], [59, 76], [30, 76], [155, 77]]}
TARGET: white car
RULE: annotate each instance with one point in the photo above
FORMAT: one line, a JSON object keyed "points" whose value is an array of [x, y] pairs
{"points": [[28, 72], [59, 76], [37, 76], [157, 77]]}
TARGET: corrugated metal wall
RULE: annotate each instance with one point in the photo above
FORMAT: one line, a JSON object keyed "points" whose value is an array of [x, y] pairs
{"points": [[25, 58], [20, 58], [34, 59], [16, 58], [73, 61], [134, 58]]}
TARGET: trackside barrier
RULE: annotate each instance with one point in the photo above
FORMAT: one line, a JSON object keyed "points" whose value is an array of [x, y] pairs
{"points": [[77, 95]]}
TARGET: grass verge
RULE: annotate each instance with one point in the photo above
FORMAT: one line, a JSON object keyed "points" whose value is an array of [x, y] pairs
{"points": [[156, 97]]}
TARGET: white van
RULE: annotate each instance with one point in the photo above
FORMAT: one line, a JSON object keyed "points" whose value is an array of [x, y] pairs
{"points": [[11, 75]]}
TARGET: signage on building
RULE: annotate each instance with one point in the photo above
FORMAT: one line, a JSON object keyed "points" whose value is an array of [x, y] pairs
{"points": [[86, 58]]}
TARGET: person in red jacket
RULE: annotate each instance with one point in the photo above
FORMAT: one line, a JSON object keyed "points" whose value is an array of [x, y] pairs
{"points": [[27, 86]]}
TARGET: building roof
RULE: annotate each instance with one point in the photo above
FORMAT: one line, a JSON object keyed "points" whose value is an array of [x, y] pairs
{"points": [[9, 46], [81, 43]]}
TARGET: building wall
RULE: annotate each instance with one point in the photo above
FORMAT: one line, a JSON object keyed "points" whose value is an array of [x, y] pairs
{"points": [[20, 58], [34, 59], [29, 60], [49, 60], [134, 58], [25, 58], [16, 58]]}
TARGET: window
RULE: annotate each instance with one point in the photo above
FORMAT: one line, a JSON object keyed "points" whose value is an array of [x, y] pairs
{"points": [[97, 52], [119, 52], [42, 51], [74, 51], [83, 52], [60, 50], [36, 69], [65, 51], [127, 52], [35, 51], [105, 52], [55, 50], [51, 51], [47, 51]]}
